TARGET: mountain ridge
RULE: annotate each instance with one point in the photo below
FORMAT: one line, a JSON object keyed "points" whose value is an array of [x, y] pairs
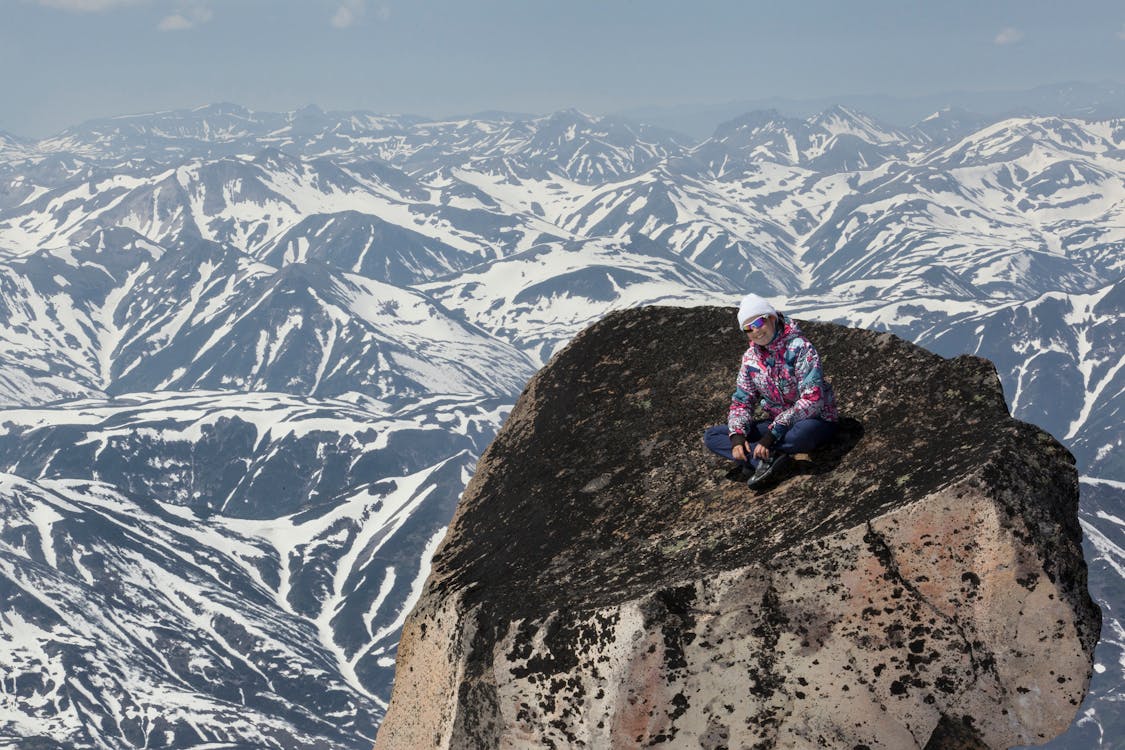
{"points": [[141, 275]]}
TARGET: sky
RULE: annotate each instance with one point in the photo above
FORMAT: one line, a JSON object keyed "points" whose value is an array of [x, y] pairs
{"points": [[66, 61]]}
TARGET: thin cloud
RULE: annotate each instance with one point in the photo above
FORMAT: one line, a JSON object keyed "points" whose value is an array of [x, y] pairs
{"points": [[342, 18], [185, 19], [174, 23], [349, 12], [87, 6], [1008, 35], [1121, 34]]}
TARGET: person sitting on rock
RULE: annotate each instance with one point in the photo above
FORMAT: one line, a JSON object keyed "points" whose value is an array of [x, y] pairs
{"points": [[780, 372]]}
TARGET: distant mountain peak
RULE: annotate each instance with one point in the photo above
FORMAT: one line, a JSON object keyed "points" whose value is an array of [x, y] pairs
{"points": [[572, 116], [841, 120], [839, 110], [224, 109], [754, 120]]}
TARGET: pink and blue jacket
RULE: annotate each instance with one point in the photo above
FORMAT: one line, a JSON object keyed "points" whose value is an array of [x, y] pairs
{"points": [[784, 379]]}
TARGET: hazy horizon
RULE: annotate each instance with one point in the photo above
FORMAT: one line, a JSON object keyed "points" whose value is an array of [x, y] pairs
{"points": [[688, 119], [79, 60]]}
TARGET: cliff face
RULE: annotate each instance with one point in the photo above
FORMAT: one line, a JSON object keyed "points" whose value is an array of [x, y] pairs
{"points": [[917, 584]]}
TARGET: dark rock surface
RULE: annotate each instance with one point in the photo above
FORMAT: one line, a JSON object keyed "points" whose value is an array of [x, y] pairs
{"points": [[918, 583]]}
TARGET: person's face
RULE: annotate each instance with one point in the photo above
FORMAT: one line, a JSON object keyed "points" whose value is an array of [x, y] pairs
{"points": [[763, 333]]}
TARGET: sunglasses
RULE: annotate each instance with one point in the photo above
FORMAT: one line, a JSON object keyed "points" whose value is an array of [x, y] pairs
{"points": [[755, 324]]}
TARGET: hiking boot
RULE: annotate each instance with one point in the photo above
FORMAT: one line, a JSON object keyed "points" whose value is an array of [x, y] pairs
{"points": [[768, 468]]}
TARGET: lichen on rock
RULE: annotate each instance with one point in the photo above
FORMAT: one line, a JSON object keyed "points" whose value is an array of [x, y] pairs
{"points": [[918, 583]]}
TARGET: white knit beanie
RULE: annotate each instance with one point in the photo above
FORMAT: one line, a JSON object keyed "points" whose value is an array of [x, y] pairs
{"points": [[752, 306]]}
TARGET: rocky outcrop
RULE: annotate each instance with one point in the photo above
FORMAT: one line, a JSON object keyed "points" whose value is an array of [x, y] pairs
{"points": [[917, 584]]}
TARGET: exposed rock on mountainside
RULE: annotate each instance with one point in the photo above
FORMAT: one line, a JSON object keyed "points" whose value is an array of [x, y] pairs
{"points": [[918, 584]]}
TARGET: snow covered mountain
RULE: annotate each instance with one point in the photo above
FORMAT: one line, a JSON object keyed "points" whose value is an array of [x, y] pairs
{"points": [[119, 314], [248, 360], [950, 125], [220, 567], [836, 140], [12, 147], [539, 298], [218, 130]]}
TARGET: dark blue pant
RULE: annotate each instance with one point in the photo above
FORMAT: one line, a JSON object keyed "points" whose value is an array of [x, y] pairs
{"points": [[802, 437]]}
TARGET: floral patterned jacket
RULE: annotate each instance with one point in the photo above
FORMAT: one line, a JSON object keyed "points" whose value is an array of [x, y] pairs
{"points": [[784, 379]]}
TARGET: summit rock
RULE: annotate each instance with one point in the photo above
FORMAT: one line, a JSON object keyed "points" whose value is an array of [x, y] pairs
{"points": [[919, 583]]}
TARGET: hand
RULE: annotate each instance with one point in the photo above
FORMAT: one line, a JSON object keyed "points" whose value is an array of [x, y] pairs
{"points": [[761, 452], [740, 452]]}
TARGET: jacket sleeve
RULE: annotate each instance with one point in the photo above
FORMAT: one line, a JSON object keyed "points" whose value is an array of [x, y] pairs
{"points": [[741, 404], [810, 390]]}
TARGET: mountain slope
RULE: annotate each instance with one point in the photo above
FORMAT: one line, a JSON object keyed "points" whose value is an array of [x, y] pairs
{"points": [[540, 298], [124, 660], [120, 314], [212, 596]]}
